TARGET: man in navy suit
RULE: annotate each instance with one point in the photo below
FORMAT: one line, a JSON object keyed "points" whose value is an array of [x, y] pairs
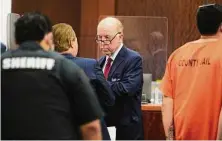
{"points": [[122, 68], [66, 43]]}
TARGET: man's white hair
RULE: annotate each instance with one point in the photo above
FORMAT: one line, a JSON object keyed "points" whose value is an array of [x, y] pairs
{"points": [[112, 21]]}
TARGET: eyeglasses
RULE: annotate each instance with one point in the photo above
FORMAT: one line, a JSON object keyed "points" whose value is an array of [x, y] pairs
{"points": [[106, 42]]}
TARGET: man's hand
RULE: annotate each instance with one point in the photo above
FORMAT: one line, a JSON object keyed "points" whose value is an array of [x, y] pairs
{"points": [[91, 131]]}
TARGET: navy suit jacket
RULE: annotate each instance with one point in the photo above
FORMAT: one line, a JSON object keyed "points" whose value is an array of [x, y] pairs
{"points": [[92, 69], [126, 80]]}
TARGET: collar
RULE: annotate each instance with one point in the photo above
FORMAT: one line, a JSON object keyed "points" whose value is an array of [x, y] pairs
{"points": [[68, 55], [113, 56], [30, 45]]}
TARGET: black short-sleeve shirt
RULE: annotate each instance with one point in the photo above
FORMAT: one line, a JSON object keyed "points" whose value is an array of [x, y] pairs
{"points": [[44, 95]]}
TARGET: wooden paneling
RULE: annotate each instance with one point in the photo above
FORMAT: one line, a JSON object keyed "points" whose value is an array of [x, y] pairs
{"points": [[67, 11], [152, 122], [152, 125], [180, 13], [83, 15], [90, 12], [151, 107]]}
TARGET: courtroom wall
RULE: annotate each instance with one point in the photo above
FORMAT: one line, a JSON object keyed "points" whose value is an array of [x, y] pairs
{"points": [[180, 13], [83, 15], [67, 11]]}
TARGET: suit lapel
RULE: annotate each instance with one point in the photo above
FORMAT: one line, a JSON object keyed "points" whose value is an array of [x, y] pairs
{"points": [[118, 60], [102, 61]]}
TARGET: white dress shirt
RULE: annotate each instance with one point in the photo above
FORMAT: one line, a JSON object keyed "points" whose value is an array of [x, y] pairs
{"points": [[113, 56]]}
